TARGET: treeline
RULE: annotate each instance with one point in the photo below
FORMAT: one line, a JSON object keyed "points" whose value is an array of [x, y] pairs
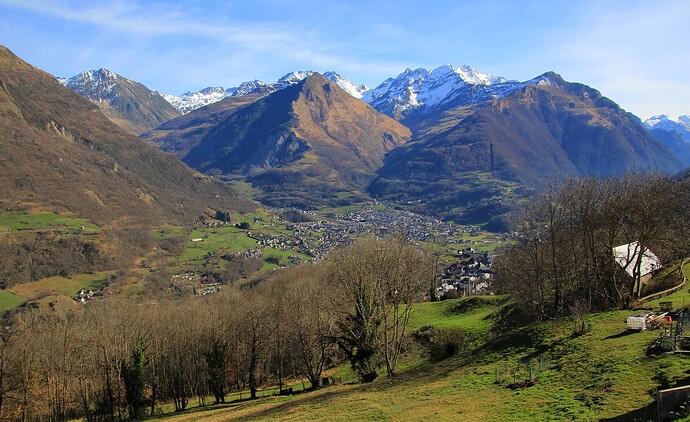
{"points": [[31, 256], [562, 261], [35, 256], [113, 361]]}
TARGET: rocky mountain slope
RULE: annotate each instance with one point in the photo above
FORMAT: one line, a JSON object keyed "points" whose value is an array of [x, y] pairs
{"points": [[310, 144], [59, 153], [129, 104]]}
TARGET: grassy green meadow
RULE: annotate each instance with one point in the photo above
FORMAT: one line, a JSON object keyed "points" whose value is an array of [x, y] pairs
{"points": [[35, 221]]}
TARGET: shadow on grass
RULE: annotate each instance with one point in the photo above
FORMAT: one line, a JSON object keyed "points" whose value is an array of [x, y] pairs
{"points": [[322, 397], [620, 335], [643, 414]]}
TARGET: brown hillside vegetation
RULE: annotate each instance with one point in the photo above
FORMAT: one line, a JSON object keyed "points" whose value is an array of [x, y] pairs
{"points": [[302, 145], [178, 136], [60, 153]]}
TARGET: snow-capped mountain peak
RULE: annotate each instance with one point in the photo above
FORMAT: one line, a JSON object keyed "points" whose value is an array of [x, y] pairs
{"points": [[192, 100], [472, 75], [666, 122], [655, 120], [679, 125], [246, 88], [423, 89], [293, 78], [349, 87], [98, 85]]}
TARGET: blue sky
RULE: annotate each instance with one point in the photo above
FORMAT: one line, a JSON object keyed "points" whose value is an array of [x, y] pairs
{"points": [[635, 52]]}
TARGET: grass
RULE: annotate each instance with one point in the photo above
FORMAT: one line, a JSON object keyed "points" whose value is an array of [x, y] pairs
{"points": [[9, 300], [168, 231], [485, 241], [603, 373], [213, 239], [35, 221], [67, 286], [445, 314]]}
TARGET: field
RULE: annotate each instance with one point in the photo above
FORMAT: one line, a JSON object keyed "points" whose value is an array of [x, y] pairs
{"points": [[20, 221], [9, 300], [204, 240], [62, 285], [603, 374]]}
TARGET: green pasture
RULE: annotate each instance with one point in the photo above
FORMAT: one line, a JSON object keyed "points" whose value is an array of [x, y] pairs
{"points": [[47, 221], [9, 300], [213, 239]]}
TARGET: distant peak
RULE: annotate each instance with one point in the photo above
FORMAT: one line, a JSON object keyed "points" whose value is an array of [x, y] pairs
{"points": [[551, 75], [294, 77], [549, 78], [666, 122]]}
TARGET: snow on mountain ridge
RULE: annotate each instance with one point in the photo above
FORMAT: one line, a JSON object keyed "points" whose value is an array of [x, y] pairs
{"points": [[664, 121], [680, 124], [190, 101], [410, 90], [97, 85], [420, 88], [349, 87]]}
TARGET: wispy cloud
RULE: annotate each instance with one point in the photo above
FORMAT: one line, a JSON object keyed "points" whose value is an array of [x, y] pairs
{"points": [[627, 50], [152, 19], [228, 42]]}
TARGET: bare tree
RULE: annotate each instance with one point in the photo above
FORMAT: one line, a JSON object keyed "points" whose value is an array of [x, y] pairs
{"points": [[310, 321], [377, 281], [564, 251]]}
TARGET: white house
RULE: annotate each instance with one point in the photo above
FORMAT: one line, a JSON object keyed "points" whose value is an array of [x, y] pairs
{"points": [[626, 256]]}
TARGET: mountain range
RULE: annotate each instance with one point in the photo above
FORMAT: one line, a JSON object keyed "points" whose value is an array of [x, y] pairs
{"points": [[456, 142], [191, 101], [310, 144], [477, 143], [672, 132]]}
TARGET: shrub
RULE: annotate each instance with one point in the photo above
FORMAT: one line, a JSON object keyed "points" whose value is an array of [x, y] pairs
{"points": [[440, 344]]}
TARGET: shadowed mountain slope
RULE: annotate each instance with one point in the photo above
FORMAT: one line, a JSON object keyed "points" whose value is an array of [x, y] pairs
{"points": [[540, 132]]}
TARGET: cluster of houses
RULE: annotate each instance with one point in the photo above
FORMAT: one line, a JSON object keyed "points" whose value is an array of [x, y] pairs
{"points": [[200, 283], [471, 274], [316, 234], [84, 295], [282, 243]]}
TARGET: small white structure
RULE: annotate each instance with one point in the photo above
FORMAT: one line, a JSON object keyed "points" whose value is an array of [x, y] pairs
{"points": [[636, 323], [627, 255]]}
